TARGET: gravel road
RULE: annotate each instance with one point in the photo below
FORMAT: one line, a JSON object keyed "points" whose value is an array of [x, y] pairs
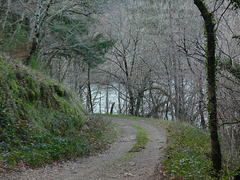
{"points": [[107, 165]]}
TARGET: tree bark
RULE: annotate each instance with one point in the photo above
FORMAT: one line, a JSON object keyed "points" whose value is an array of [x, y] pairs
{"points": [[139, 102], [201, 104], [112, 108], [100, 103], [6, 15], [36, 33], [119, 99], [175, 66], [211, 79], [36, 36], [107, 99], [131, 102], [90, 104]]}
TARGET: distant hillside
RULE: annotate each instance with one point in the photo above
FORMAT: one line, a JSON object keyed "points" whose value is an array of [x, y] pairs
{"points": [[41, 122]]}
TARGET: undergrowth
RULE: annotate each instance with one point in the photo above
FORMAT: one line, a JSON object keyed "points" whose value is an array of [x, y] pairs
{"points": [[41, 122], [45, 148], [188, 151]]}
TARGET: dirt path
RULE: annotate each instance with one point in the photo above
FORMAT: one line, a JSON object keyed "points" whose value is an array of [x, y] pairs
{"points": [[107, 165]]}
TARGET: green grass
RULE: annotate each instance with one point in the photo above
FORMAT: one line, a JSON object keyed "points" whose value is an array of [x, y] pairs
{"points": [[142, 139], [125, 157]]}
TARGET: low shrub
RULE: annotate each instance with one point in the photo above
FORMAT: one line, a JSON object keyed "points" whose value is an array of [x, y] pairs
{"points": [[45, 148]]}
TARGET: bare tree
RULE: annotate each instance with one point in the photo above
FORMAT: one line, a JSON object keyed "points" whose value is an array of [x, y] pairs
{"points": [[211, 77]]}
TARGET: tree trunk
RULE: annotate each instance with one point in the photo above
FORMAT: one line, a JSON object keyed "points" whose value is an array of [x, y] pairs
{"points": [[166, 112], [119, 99], [139, 102], [175, 63], [112, 108], [36, 36], [100, 103], [6, 15], [211, 79], [131, 103], [107, 99], [201, 104], [36, 33], [90, 105]]}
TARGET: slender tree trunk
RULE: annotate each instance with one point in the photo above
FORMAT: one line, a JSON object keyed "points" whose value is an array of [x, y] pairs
{"points": [[107, 99], [126, 102], [201, 100], [119, 99], [131, 103], [90, 105], [211, 79], [175, 64], [112, 108], [181, 107], [36, 33], [6, 15], [139, 102], [100, 103], [166, 112], [36, 36]]}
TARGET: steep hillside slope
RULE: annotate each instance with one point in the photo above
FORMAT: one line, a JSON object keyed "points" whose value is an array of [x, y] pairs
{"points": [[41, 122]]}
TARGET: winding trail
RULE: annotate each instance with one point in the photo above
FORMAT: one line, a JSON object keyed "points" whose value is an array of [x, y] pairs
{"points": [[107, 166]]}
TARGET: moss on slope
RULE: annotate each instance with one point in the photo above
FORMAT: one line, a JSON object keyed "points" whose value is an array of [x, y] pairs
{"points": [[40, 121]]}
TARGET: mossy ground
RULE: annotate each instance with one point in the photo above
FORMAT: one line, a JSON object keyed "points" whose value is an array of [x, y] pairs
{"points": [[41, 122]]}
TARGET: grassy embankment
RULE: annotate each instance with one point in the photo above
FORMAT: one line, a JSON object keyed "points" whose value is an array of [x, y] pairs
{"points": [[188, 151], [41, 122]]}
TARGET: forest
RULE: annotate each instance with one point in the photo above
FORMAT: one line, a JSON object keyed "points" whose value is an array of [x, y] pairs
{"points": [[175, 60]]}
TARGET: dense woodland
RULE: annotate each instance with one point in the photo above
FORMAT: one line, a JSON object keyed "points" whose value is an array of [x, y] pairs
{"points": [[153, 53]]}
